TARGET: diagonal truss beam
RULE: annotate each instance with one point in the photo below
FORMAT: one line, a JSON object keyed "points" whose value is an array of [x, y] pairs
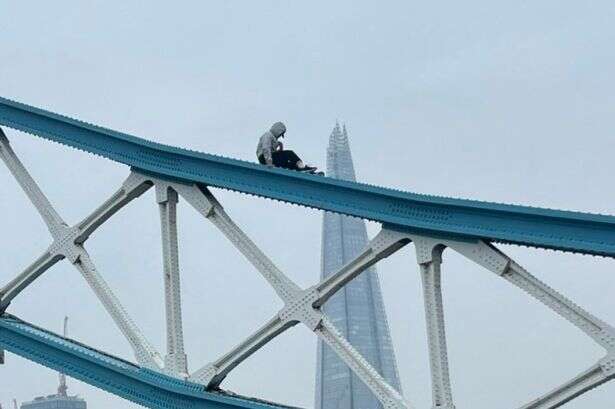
{"points": [[386, 394], [383, 245], [584, 382], [204, 202], [27, 277], [132, 188], [49, 215], [214, 373], [497, 262], [68, 243], [144, 352], [598, 330]]}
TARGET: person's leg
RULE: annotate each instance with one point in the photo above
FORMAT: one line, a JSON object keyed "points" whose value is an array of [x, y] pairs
{"points": [[292, 157], [261, 160], [286, 159], [298, 164], [290, 160], [278, 159]]}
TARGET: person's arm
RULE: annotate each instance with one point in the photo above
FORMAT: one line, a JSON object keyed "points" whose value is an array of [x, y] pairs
{"points": [[267, 149]]}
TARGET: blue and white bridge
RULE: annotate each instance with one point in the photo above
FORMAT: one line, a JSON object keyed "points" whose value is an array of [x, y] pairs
{"points": [[430, 223]]}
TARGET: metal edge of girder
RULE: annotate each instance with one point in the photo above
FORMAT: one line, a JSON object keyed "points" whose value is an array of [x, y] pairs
{"points": [[536, 227], [60, 354]]}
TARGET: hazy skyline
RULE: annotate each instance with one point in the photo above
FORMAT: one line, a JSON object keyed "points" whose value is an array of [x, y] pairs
{"points": [[506, 102]]}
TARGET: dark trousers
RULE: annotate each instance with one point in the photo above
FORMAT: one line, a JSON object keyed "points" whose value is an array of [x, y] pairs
{"points": [[282, 159]]}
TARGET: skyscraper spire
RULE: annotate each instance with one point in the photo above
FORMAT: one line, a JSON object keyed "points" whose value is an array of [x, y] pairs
{"points": [[62, 388], [357, 310], [339, 158]]}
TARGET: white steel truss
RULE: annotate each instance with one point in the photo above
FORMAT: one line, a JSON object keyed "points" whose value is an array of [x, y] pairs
{"points": [[175, 360], [300, 305], [68, 243], [430, 262]]}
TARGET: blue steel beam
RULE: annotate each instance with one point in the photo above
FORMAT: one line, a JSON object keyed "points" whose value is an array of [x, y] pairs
{"points": [[535, 227], [143, 386]]}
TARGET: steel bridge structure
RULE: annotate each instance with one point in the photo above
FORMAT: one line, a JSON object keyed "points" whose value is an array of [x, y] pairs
{"points": [[432, 224]]}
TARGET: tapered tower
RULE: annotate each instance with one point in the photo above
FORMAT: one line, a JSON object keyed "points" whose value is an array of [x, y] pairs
{"points": [[357, 310]]}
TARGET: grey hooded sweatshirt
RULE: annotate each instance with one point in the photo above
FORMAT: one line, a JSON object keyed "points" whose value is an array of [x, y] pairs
{"points": [[269, 142]]}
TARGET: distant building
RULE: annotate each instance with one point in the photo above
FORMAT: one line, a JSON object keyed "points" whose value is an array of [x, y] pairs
{"points": [[55, 402], [61, 400], [357, 310]]}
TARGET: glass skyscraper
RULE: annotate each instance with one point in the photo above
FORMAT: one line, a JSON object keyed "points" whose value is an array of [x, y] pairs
{"points": [[357, 310]]}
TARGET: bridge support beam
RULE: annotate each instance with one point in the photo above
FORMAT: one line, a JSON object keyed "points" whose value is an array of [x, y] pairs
{"points": [[175, 361], [429, 257]]}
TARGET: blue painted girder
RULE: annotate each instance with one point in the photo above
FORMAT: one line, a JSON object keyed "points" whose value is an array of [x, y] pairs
{"points": [[536, 227], [143, 386]]}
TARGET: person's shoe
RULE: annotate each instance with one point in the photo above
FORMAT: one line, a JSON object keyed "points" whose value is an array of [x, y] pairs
{"points": [[309, 168], [312, 171]]}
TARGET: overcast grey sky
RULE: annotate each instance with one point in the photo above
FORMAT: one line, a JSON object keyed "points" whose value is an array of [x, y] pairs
{"points": [[501, 101]]}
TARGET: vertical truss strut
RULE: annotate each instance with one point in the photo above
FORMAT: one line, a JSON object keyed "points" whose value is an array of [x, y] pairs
{"points": [[68, 243], [430, 261], [175, 360]]}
